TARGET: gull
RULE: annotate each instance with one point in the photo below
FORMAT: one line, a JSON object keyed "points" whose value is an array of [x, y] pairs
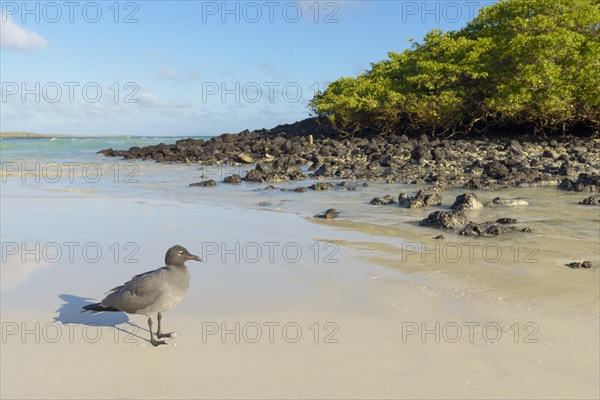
{"points": [[152, 292]]}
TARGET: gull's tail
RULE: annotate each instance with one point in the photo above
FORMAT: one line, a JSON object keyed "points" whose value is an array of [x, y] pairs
{"points": [[96, 307]]}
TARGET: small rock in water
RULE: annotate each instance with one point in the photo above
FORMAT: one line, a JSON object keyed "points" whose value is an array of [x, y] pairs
{"points": [[472, 229], [439, 237], [254, 176], [321, 186], [577, 264], [507, 221], [208, 183], [526, 229], [234, 179], [270, 187], [502, 202], [379, 201], [404, 200], [589, 201], [445, 219], [297, 190], [484, 229], [466, 201], [421, 199], [329, 214]]}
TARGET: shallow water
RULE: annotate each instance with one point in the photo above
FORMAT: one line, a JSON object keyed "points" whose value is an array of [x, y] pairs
{"points": [[517, 263]]}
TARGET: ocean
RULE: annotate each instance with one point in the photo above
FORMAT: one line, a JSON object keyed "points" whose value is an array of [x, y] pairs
{"points": [[71, 148]]}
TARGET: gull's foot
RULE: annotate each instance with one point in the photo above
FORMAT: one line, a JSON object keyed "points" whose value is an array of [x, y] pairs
{"points": [[167, 335], [157, 343]]}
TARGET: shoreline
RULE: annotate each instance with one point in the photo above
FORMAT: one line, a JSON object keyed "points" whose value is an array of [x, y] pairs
{"points": [[281, 154]]}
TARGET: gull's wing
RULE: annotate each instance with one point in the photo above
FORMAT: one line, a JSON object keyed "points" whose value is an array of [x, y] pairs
{"points": [[141, 292]]}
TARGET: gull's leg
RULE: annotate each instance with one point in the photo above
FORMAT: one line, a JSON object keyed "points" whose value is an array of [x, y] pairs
{"points": [[158, 333], [154, 342]]}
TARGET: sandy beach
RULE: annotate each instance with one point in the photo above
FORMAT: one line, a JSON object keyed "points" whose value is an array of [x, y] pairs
{"points": [[287, 306]]}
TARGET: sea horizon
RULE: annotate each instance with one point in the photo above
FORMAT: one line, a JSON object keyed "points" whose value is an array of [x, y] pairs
{"points": [[30, 135]]}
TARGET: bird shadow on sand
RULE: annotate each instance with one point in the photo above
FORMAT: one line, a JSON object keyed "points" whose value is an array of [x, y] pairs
{"points": [[70, 313]]}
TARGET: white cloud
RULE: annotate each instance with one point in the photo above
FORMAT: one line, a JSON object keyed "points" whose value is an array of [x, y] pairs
{"points": [[15, 37]]}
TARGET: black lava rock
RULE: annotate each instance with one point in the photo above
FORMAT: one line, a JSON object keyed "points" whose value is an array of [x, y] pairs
{"points": [[379, 201], [329, 214], [577, 264], [445, 219], [466, 201], [234, 179], [208, 183], [589, 201], [506, 221]]}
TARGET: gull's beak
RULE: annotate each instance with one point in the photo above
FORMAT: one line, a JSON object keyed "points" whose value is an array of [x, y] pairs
{"points": [[193, 257]]}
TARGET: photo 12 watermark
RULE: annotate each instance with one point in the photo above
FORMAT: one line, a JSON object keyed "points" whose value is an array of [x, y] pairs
{"points": [[252, 12], [270, 252], [69, 92], [468, 332], [468, 252], [54, 12], [269, 332], [255, 92], [69, 172], [70, 252], [56, 332]]}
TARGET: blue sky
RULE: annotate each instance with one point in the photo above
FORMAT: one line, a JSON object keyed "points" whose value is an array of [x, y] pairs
{"points": [[192, 67]]}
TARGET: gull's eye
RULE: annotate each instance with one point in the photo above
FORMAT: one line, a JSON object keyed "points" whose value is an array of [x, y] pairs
{"points": [[180, 253]]}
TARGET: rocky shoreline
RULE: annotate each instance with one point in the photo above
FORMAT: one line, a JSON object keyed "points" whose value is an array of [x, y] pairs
{"points": [[311, 148]]}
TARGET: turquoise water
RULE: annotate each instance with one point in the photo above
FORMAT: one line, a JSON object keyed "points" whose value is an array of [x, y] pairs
{"points": [[62, 148]]}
